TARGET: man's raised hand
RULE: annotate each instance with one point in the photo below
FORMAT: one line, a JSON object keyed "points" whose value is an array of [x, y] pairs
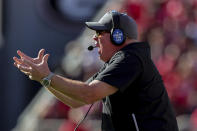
{"points": [[35, 68]]}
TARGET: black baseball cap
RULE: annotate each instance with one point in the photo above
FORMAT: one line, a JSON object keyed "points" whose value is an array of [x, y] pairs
{"points": [[126, 24]]}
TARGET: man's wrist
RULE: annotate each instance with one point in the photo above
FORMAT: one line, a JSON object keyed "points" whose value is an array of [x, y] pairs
{"points": [[46, 81]]}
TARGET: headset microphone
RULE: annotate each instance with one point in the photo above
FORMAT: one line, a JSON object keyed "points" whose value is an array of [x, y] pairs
{"points": [[91, 47]]}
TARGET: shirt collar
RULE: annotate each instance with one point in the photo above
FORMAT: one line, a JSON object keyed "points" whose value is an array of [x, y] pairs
{"points": [[136, 44]]}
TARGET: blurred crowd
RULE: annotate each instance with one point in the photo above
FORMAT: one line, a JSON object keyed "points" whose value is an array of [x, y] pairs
{"points": [[170, 27]]}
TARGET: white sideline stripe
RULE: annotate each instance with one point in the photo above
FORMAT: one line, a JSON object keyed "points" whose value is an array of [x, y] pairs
{"points": [[135, 122]]}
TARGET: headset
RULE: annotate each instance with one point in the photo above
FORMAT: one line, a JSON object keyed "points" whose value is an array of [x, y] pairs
{"points": [[117, 35]]}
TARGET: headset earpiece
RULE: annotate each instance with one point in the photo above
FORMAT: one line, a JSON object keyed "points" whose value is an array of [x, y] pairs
{"points": [[117, 34]]}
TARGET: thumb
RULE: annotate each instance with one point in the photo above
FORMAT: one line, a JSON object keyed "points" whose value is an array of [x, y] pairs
{"points": [[45, 58]]}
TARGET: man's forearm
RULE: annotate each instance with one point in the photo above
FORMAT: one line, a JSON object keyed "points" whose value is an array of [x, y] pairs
{"points": [[65, 99], [76, 90]]}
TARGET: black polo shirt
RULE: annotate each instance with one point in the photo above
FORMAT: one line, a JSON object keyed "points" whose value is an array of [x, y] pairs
{"points": [[141, 103]]}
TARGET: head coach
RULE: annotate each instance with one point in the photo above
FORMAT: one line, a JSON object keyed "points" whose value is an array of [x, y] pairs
{"points": [[130, 87]]}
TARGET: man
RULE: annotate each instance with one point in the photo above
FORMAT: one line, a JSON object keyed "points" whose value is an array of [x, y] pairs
{"points": [[129, 85]]}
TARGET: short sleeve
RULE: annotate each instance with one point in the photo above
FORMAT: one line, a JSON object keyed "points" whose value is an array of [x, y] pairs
{"points": [[121, 72]]}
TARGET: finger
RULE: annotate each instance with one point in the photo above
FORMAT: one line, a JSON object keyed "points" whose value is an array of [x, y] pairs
{"points": [[30, 77], [28, 62], [24, 68], [17, 65], [23, 55], [26, 73], [41, 54], [18, 61], [45, 58]]}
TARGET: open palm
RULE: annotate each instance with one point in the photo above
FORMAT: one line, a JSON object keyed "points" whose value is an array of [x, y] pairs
{"points": [[35, 68]]}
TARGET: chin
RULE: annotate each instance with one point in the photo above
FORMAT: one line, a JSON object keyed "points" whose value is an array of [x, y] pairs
{"points": [[102, 59]]}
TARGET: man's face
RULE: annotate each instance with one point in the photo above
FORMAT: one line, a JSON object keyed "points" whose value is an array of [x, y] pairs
{"points": [[104, 45]]}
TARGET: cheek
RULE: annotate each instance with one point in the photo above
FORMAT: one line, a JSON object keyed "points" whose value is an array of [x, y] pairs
{"points": [[105, 42]]}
